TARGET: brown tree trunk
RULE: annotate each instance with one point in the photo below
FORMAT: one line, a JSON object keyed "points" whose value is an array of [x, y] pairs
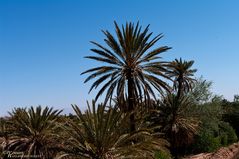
{"points": [[180, 85], [131, 104], [174, 148]]}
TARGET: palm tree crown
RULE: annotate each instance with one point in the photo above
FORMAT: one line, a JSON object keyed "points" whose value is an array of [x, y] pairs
{"points": [[177, 120], [33, 131], [183, 75], [130, 69]]}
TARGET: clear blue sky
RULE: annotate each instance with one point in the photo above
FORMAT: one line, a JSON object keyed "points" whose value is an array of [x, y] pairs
{"points": [[42, 44]]}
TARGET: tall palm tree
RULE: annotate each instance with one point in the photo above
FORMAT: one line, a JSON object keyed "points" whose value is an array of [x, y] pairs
{"points": [[101, 133], [131, 70], [34, 131], [183, 75]]}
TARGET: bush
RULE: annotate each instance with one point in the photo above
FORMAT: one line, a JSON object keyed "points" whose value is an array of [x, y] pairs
{"points": [[227, 133], [206, 142], [211, 138]]}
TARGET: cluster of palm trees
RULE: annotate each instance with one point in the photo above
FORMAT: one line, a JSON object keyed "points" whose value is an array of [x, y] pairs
{"points": [[145, 107], [135, 74]]}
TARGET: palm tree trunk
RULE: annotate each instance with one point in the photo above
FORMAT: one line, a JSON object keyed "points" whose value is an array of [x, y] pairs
{"points": [[179, 93], [174, 148], [131, 104]]}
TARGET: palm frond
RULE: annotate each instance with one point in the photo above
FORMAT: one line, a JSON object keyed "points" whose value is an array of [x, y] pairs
{"points": [[126, 57], [33, 131], [101, 132]]}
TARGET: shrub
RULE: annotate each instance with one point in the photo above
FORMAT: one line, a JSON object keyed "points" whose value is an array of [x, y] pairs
{"points": [[227, 133], [206, 142], [211, 138]]}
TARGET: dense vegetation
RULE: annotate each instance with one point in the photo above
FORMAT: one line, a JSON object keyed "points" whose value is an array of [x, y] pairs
{"points": [[151, 109]]}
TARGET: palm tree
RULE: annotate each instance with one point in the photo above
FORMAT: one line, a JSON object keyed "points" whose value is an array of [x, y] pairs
{"points": [[34, 131], [182, 73], [4, 134], [177, 120], [131, 70], [101, 133]]}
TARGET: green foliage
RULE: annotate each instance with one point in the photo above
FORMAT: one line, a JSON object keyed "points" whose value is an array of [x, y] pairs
{"points": [[128, 62], [206, 142], [182, 74], [131, 69], [177, 122], [231, 114], [211, 138], [175, 117], [33, 131], [201, 91], [102, 132], [214, 132], [227, 134]]}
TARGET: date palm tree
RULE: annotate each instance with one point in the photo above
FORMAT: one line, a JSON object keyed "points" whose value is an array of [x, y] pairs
{"points": [[33, 131], [177, 120], [131, 70], [4, 134], [101, 133], [182, 74]]}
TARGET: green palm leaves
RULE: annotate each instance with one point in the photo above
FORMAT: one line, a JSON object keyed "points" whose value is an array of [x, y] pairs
{"points": [[102, 133], [33, 131], [178, 122], [175, 116], [182, 75], [131, 69]]}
